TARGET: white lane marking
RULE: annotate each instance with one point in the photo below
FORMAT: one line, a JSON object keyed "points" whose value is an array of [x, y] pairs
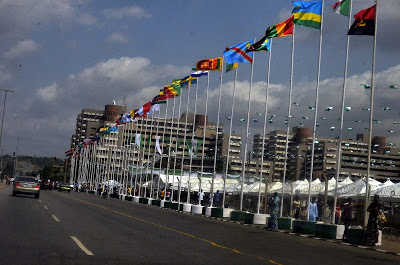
{"points": [[84, 249], [55, 218], [40, 201], [45, 207]]}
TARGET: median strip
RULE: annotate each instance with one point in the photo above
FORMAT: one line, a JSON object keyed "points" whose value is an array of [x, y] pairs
{"points": [[81, 246]]}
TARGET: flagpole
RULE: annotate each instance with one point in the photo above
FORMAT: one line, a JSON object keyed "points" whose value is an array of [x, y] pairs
{"points": [[230, 136], [154, 154], [315, 113], [169, 147], [176, 146], [247, 135], [204, 137], [216, 136], [289, 116], [148, 153], [135, 156], [339, 148], [193, 132], [371, 114], [162, 150], [184, 142], [139, 149], [264, 131]]}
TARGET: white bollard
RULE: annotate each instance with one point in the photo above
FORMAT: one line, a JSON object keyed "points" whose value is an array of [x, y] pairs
{"points": [[187, 207]]}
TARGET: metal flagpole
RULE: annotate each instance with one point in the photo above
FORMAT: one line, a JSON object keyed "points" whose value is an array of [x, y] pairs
{"points": [[289, 116], [371, 114], [162, 151], [169, 148], [149, 151], [247, 135], [139, 155], [184, 143], [264, 130], [143, 155], [176, 146], [339, 148], [230, 136], [315, 113], [135, 156], [193, 136], [204, 137], [154, 155], [216, 137]]}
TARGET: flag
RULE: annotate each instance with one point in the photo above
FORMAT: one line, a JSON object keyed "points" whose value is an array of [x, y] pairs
{"points": [[307, 13], [209, 64], [230, 67], [188, 80], [170, 92], [393, 86], [280, 30], [159, 99], [262, 45], [198, 73], [364, 23], [328, 108], [237, 54], [347, 108], [342, 7]]}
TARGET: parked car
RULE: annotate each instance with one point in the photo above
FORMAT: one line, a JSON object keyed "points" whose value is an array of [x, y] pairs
{"points": [[46, 184], [64, 187], [26, 185]]}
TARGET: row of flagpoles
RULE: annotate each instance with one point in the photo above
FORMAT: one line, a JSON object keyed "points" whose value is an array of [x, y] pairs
{"points": [[305, 13]]}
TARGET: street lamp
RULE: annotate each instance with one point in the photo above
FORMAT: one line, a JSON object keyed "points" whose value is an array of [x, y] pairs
{"points": [[2, 122]]}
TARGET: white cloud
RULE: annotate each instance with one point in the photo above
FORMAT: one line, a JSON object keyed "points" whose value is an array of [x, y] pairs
{"points": [[48, 93], [4, 75], [132, 11], [87, 19], [117, 38], [21, 48]]}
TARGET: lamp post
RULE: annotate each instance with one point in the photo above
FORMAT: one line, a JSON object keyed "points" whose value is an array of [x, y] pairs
{"points": [[2, 122]]}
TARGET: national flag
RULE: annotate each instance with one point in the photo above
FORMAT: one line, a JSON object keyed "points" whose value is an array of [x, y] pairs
{"points": [[342, 7], [209, 64], [262, 45], [328, 108], [198, 73], [393, 86], [230, 67], [237, 53], [188, 80], [347, 108], [364, 23], [170, 92], [159, 99], [280, 30], [307, 13]]}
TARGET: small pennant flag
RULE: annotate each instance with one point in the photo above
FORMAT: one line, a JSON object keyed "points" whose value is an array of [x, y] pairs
{"points": [[390, 131], [301, 124], [349, 129], [347, 108], [328, 108], [396, 122], [377, 121], [255, 120], [259, 114], [311, 108], [366, 109], [304, 118], [323, 118], [241, 120], [386, 108], [295, 104], [270, 121], [366, 86], [332, 128], [339, 119], [317, 125], [358, 121], [273, 116], [393, 87], [228, 118]]}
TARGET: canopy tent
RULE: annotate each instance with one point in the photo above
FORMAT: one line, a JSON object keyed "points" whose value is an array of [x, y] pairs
{"points": [[389, 192], [356, 188]]}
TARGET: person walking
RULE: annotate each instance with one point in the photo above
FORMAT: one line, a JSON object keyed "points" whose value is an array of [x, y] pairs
{"points": [[372, 234], [201, 197], [216, 199], [347, 216], [313, 214], [274, 206]]}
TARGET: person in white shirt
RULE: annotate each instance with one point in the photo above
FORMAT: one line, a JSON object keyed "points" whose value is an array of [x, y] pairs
{"points": [[201, 197]]}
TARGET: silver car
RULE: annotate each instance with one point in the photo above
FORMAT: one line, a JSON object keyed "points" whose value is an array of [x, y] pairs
{"points": [[26, 185]]}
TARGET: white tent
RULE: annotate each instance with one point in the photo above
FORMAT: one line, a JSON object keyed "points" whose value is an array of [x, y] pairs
{"points": [[356, 188], [392, 191]]}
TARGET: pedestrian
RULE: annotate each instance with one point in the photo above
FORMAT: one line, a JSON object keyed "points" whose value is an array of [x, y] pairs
{"points": [[216, 199], [313, 213], [274, 204], [162, 194], [372, 234], [201, 197], [296, 207], [347, 216]]}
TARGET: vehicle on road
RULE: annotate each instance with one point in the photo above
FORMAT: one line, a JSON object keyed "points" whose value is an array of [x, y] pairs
{"points": [[26, 185], [46, 184], [64, 187]]}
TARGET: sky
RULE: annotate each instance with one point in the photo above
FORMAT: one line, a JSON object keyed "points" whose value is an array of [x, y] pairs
{"points": [[60, 56]]}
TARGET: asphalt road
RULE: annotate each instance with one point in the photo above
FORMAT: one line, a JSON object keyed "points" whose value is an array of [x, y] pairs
{"points": [[78, 228]]}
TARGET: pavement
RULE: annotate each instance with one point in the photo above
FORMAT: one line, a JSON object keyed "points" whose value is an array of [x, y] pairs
{"points": [[79, 228]]}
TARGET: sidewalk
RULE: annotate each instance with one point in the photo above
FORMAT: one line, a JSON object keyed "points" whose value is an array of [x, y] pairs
{"points": [[389, 244]]}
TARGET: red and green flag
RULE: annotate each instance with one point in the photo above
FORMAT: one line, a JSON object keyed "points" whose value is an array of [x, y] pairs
{"points": [[342, 7], [280, 30], [364, 23], [209, 64]]}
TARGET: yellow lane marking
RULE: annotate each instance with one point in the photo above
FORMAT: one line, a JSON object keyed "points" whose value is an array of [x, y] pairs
{"points": [[40, 201], [180, 232], [55, 218], [45, 207], [81, 246]]}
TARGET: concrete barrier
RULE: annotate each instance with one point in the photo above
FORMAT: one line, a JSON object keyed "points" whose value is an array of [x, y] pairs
{"points": [[143, 200], [175, 206], [208, 210], [238, 216], [156, 202], [181, 207], [136, 199], [257, 219], [285, 223], [217, 212], [227, 213], [150, 201], [187, 207], [197, 209], [356, 236], [129, 198], [329, 231], [167, 204], [162, 203], [304, 227], [122, 197]]}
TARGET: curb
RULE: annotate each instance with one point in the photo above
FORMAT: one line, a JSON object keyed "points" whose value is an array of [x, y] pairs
{"points": [[337, 241]]}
